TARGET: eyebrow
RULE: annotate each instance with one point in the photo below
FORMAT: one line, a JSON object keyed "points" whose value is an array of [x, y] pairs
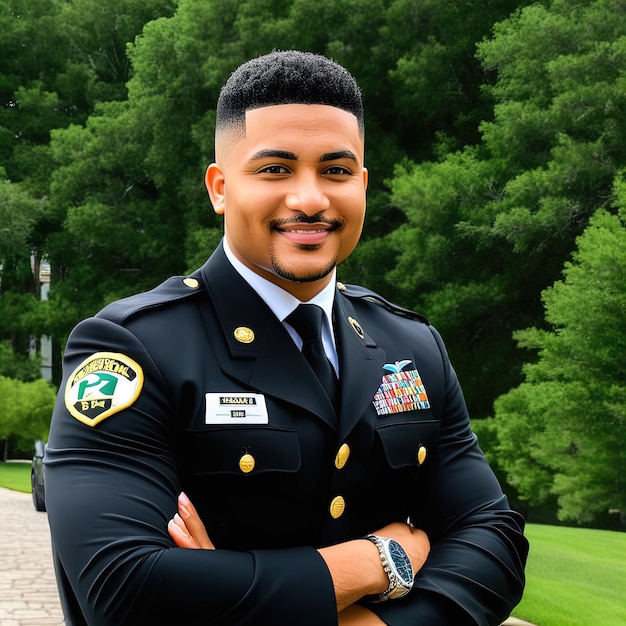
{"points": [[291, 156]]}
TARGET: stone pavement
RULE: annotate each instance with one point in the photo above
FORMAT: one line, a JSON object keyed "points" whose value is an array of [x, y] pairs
{"points": [[28, 593]]}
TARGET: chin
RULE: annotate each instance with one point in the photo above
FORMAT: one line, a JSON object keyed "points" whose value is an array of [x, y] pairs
{"points": [[304, 273]]}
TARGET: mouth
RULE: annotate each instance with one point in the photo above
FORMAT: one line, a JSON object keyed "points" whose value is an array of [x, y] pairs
{"points": [[308, 231]]}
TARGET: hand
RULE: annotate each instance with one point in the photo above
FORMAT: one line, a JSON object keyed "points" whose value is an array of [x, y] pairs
{"points": [[186, 528], [414, 541]]}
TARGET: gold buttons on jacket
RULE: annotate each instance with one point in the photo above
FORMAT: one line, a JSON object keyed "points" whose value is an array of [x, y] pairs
{"points": [[421, 455], [247, 463], [192, 283], [337, 507], [342, 456]]}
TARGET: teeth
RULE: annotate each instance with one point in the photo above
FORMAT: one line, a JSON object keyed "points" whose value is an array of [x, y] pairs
{"points": [[322, 230]]}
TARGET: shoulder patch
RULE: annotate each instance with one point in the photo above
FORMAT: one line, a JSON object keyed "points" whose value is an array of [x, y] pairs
{"points": [[102, 385], [361, 293]]}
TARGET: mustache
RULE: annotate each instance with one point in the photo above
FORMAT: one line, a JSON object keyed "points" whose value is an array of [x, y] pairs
{"points": [[302, 218]]}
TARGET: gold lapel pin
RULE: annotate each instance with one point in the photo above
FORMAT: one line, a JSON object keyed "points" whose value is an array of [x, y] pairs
{"points": [[243, 334], [357, 327]]}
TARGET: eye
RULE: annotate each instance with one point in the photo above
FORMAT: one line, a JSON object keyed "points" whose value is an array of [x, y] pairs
{"points": [[273, 169], [337, 170]]}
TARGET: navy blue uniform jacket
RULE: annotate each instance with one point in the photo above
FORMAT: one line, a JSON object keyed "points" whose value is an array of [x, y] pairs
{"points": [[196, 374]]}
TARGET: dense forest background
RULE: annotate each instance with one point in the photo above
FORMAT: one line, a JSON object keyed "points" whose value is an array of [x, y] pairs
{"points": [[496, 144]]}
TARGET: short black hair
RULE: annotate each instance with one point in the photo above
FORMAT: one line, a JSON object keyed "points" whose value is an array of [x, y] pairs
{"points": [[287, 77]]}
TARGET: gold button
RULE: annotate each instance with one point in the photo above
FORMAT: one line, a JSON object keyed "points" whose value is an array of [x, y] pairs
{"points": [[244, 334], [192, 283], [337, 507], [246, 463], [341, 286], [342, 456], [421, 455]]}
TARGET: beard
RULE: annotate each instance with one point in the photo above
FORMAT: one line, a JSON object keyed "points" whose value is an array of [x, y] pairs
{"points": [[313, 274], [307, 276]]}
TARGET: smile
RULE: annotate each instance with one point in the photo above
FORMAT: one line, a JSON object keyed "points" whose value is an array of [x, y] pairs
{"points": [[295, 230], [305, 236]]}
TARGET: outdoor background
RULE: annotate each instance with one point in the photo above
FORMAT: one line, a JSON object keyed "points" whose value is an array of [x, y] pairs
{"points": [[496, 144]]}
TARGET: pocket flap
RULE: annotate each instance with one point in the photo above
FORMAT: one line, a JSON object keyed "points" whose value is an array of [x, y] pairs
{"points": [[408, 444], [220, 450]]}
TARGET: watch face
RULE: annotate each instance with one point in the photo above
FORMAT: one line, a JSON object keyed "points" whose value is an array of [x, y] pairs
{"points": [[401, 562]]}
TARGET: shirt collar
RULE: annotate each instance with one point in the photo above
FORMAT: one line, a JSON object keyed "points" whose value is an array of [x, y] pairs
{"points": [[281, 302]]}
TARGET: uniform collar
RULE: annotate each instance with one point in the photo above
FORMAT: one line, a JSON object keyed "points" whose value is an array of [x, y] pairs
{"points": [[282, 303]]}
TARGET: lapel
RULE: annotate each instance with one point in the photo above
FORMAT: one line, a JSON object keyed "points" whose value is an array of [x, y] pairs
{"points": [[270, 363], [360, 365]]}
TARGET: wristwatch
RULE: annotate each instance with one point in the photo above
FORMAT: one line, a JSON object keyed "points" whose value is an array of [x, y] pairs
{"points": [[397, 566]]}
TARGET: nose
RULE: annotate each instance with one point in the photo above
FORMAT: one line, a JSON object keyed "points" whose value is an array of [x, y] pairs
{"points": [[307, 195]]}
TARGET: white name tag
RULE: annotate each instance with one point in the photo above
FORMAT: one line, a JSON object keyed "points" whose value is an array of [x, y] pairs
{"points": [[235, 408]]}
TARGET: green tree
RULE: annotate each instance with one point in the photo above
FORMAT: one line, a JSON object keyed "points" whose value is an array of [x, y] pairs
{"points": [[561, 433], [128, 183], [58, 60], [25, 410], [489, 227], [17, 366]]}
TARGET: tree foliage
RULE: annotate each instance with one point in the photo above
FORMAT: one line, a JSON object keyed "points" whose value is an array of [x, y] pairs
{"points": [[25, 409], [561, 432], [490, 226], [494, 136]]}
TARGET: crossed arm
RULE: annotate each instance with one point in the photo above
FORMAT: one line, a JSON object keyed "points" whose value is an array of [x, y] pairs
{"points": [[354, 566]]}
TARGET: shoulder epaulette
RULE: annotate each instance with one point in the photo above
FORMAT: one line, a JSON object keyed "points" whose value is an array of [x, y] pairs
{"points": [[361, 293], [174, 288]]}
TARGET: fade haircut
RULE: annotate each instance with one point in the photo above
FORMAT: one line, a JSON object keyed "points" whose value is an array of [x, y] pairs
{"points": [[286, 77]]}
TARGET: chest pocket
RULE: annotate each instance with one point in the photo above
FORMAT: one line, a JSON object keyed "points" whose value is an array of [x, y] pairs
{"points": [[408, 444], [243, 481], [242, 450]]}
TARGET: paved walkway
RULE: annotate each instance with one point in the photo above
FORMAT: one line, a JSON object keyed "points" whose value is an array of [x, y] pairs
{"points": [[28, 593]]}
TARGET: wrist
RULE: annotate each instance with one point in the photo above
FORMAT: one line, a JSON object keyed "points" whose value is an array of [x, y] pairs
{"points": [[378, 581], [355, 569], [397, 567]]}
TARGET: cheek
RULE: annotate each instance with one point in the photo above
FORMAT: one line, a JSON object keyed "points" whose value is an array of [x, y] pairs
{"points": [[245, 209], [354, 215]]}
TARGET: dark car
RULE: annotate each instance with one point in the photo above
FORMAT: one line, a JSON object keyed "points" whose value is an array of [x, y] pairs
{"points": [[36, 477]]}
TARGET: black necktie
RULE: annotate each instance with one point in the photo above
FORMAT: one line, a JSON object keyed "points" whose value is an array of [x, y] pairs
{"points": [[307, 321]]}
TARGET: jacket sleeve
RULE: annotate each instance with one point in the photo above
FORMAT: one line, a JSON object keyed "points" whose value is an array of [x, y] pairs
{"points": [[110, 490], [475, 570]]}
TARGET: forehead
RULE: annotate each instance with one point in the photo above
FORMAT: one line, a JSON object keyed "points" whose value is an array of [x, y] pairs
{"points": [[313, 124]]}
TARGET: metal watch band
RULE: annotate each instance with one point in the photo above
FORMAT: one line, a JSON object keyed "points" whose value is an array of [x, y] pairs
{"points": [[396, 589]]}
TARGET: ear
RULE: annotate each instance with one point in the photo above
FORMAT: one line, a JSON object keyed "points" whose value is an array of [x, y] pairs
{"points": [[214, 181], [366, 176]]}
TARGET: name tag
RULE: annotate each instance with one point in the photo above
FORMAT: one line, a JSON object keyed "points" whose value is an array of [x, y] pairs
{"points": [[235, 408]]}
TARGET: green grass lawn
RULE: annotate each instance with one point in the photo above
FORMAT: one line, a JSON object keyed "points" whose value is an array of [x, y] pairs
{"points": [[15, 476], [575, 576]]}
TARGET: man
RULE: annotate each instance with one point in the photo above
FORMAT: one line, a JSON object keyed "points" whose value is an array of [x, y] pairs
{"points": [[342, 488]]}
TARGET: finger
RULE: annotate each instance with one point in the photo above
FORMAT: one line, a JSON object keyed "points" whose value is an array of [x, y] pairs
{"points": [[180, 538], [184, 500], [178, 520], [193, 523]]}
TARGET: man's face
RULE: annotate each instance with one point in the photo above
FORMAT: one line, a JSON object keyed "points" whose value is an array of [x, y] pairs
{"points": [[292, 192]]}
